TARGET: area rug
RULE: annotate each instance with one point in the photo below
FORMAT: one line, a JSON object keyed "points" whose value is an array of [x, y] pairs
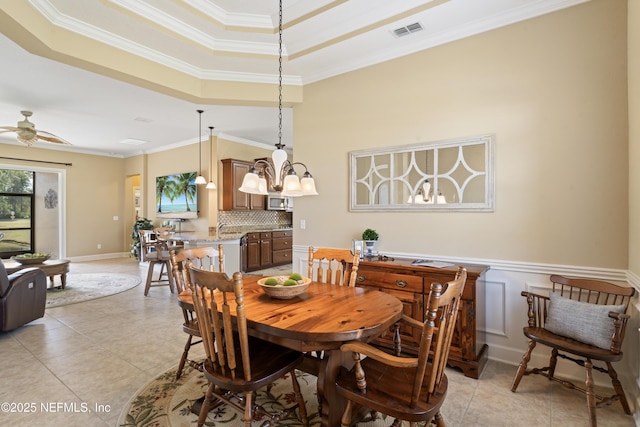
{"points": [[87, 286], [167, 403]]}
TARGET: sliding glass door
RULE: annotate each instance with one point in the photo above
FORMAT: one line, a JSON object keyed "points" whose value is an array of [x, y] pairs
{"points": [[16, 212]]}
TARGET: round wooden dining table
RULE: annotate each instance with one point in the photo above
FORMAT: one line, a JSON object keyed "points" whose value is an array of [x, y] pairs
{"points": [[321, 319]]}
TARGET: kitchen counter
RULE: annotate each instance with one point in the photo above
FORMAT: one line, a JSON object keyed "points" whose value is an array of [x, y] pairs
{"points": [[231, 241], [235, 234], [195, 236]]}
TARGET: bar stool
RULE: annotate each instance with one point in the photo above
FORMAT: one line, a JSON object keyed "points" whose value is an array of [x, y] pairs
{"points": [[156, 252]]}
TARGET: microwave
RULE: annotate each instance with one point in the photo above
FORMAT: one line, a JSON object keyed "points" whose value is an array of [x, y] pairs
{"points": [[278, 202]]}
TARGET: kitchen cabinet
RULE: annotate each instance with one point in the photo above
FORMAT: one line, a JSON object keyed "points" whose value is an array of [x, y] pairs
{"points": [[282, 247], [259, 250], [233, 172], [267, 249], [411, 285]]}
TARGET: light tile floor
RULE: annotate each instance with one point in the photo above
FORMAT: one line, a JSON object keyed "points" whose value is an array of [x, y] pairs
{"points": [[81, 363]]}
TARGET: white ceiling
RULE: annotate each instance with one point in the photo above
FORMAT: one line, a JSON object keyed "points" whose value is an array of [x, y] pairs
{"points": [[228, 40]]}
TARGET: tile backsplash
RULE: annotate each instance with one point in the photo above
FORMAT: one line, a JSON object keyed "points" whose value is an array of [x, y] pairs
{"points": [[242, 220]]}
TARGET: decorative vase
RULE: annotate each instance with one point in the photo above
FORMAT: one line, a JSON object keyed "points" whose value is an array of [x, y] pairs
{"points": [[370, 244]]}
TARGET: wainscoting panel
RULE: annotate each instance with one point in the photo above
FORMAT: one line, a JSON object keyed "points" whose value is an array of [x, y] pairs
{"points": [[505, 313], [495, 303]]}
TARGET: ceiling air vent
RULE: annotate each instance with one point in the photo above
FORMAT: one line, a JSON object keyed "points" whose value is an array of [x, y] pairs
{"points": [[405, 31]]}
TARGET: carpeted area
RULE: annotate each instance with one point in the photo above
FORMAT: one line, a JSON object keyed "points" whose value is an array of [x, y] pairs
{"points": [[87, 286], [165, 403]]}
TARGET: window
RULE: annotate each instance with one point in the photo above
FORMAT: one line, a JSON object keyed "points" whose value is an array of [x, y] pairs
{"points": [[451, 175], [16, 212]]}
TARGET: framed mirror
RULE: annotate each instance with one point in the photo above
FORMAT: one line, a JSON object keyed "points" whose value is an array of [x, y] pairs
{"points": [[449, 175]]}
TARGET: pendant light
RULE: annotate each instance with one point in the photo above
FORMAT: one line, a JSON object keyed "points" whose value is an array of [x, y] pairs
{"points": [[283, 178], [211, 185], [200, 179]]}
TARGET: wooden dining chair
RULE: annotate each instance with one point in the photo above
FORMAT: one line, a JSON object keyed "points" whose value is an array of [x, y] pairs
{"points": [[162, 233], [206, 257], [166, 233], [155, 252], [238, 365], [582, 320], [406, 388], [335, 266]]}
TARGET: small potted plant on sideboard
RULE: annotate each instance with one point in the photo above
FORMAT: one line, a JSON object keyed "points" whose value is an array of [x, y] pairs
{"points": [[370, 236]]}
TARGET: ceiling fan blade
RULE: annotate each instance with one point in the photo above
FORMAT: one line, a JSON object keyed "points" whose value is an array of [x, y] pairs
{"points": [[28, 134], [49, 137], [4, 129]]}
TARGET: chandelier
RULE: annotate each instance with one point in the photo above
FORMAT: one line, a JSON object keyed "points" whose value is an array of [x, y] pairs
{"points": [[425, 195], [282, 176]]}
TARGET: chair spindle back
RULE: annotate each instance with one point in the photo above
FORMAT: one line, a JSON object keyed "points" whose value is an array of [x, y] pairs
{"points": [[335, 266]]}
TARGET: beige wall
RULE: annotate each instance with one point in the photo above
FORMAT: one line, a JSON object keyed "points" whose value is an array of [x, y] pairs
{"points": [[552, 89], [185, 159], [634, 136], [94, 195]]}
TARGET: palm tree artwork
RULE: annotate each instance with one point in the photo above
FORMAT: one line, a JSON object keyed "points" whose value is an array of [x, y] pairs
{"points": [[161, 186], [185, 185], [176, 193]]}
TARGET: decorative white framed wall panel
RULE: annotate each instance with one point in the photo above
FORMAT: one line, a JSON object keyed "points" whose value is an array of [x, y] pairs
{"points": [[447, 175]]}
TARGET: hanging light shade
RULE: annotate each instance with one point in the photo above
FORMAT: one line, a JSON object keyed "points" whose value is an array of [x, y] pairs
{"points": [[211, 185], [308, 185], [291, 185], [281, 171], [200, 179], [251, 183]]}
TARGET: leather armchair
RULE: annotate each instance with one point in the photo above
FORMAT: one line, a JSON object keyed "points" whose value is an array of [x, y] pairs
{"points": [[23, 297]]}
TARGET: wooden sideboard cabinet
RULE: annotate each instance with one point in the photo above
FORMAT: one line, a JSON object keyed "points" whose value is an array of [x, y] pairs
{"points": [[411, 284]]}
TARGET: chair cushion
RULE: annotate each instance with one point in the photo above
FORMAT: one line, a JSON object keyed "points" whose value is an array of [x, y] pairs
{"points": [[582, 321]]}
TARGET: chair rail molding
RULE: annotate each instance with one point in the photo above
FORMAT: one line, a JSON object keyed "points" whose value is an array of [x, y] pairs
{"points": [[503, 306]]}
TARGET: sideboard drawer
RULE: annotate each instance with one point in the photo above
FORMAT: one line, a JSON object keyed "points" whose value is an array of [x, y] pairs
{"points": [[389, 280]]}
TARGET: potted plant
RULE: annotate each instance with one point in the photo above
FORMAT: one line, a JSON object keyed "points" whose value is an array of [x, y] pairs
{"points": [[370, 236], [140, 224]]}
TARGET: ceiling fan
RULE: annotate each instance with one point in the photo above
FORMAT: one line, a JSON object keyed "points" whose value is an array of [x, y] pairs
{"points": [[28, 134]]}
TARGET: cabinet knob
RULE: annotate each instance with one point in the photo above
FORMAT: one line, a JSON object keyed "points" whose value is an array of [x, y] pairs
{"points": [[401, 283], [361, 278]]}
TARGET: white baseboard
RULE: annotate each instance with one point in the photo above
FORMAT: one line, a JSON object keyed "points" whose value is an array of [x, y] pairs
{"points": [[99, 257]]}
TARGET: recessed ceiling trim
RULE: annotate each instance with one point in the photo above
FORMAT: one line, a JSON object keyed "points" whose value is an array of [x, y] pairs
{"points": [[229, 19], [311, 14], [168, 23], [362, 30], [514, 15], [108, 38]]}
